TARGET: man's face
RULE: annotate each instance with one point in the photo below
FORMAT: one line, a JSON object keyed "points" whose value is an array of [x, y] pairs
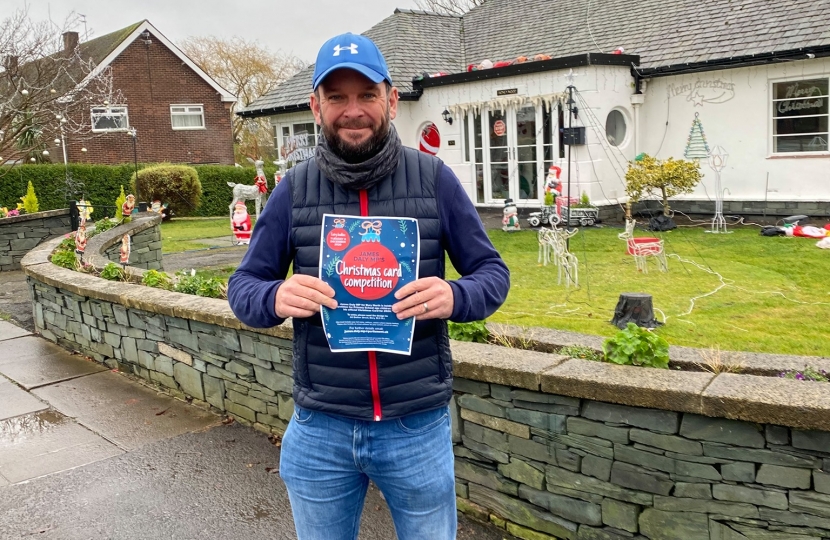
{"points": [[354, 113]]}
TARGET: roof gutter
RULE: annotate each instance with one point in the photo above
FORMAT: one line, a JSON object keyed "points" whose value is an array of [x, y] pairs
{"points": [[288, 109], [804, 53], [579, 60]]}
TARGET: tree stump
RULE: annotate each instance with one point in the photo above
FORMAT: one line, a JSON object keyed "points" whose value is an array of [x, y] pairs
{"points": [[636, 308]]}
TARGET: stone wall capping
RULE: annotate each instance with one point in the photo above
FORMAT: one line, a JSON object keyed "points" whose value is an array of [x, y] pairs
{"points": [[501, 365], [628, 385], [548, 339], [749, 363], [36, 215], [769, 400]]}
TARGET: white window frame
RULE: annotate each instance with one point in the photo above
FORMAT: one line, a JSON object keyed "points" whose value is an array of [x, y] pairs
{"points": [[772, 118], [318, 132], [187, 112], [108, 111]]}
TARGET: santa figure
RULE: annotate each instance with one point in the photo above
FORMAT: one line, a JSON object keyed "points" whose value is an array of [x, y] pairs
{"points": [[510, 222], [127, 208], [552, 183], [125, 249], [80, 239], [241, 223]]}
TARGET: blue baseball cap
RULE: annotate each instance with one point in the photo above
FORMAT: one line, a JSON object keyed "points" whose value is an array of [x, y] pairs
{"points": [[353, 52]]}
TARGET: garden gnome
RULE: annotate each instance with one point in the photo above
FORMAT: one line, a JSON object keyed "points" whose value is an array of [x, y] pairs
{"points": [[241, 224], [127, 207], [510, 222], [80, 239], [159, 208], [125, 249]]}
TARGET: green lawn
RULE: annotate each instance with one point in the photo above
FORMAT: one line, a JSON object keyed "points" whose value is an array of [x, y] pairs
{"points": [[178, 234], [776, 298]]}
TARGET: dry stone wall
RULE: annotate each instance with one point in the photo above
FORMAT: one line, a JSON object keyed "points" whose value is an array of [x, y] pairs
{"points": [[19, 234], [545, 446], [583, 469], [145, 250]]}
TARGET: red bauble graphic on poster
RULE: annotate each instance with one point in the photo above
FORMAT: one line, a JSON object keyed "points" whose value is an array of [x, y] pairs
{"points": [[430, 141], [499, 128], [369, 271], [337, 239]]}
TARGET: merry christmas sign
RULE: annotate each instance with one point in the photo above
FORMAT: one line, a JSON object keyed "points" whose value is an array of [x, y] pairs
{"points": [[366, 260]]}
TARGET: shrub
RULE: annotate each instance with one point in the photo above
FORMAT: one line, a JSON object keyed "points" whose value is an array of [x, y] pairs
{"points": [[103, 225], [119, 202], [177, 185], [192, 283], [159, 280], [29, 201], [475, 331], [113, 272], [637, 346], [65, 259]]}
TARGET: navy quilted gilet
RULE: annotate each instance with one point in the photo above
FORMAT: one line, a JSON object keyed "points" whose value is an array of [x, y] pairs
{"points": [[340, 383]]}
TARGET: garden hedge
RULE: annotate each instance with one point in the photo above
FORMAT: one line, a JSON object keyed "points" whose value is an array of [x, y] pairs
{"points": [[102, 185]]}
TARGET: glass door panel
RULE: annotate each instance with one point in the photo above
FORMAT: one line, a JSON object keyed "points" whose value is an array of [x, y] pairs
{"points": [[527, 186], [478, 157], [499, 155]]}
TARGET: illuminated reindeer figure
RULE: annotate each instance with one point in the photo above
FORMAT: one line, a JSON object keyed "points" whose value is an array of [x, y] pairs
{"points": [[242, 192]]}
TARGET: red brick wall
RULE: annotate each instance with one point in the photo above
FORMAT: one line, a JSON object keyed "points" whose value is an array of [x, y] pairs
{"points": [[151, 78]]}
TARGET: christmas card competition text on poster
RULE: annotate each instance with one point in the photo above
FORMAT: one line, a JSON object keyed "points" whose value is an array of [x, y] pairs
{"points": [[366, 260]]}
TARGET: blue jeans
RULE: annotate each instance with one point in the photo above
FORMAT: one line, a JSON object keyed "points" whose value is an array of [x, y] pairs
{"points": [[327, 461]]}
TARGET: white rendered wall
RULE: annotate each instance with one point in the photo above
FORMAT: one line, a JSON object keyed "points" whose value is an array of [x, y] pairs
{"points": [[735, 109]]}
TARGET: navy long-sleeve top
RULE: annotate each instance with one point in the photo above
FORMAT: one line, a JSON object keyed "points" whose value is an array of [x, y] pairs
{"points": [[477, 294]]}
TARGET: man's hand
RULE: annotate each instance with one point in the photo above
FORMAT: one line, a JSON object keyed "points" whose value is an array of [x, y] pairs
{"points": [[427, 298], [301, 296]]}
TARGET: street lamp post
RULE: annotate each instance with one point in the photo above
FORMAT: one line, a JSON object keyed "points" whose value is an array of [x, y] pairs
{"points": [[134, 134]]}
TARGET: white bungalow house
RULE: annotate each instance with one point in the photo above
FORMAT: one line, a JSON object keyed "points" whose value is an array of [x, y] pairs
{"points": [[752, 78]]}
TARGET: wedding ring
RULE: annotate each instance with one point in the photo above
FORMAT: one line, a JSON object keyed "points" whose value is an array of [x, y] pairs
{"points": [[426, 307]]}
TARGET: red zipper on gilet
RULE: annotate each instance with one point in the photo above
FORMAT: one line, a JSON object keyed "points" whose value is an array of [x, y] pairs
{"points": [[373, 359]]}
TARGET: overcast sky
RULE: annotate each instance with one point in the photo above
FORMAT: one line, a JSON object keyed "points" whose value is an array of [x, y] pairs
{"points": [[293, 26]]}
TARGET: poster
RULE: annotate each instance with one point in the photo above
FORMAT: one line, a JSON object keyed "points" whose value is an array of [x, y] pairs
{"points": [[366, 260]]}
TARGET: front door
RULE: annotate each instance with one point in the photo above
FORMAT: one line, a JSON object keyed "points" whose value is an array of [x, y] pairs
{"points": [[517, 150]]}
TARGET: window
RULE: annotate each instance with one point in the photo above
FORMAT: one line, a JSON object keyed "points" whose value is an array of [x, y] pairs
{"points": [[109, 118], [309, 129], [800, 116], [187, 116], [615, 128]]}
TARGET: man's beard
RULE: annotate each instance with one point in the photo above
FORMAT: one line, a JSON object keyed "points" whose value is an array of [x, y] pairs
{"points": [[359, 152]]}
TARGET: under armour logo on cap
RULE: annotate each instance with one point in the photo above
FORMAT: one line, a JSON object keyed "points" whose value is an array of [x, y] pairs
{"points": [[351, 48], [363, 56]]}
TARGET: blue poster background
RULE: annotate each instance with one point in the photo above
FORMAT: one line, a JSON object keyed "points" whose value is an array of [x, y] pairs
{"points": [[366, 260]]}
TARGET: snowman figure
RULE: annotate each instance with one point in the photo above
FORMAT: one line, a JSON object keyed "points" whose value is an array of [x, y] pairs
{"points": [[510, 221]]}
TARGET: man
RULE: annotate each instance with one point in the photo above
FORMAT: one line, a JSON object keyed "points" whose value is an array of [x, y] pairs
{"points": [[361, 416]]}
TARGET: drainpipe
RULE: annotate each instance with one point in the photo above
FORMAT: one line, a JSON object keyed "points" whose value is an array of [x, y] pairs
{"points": [[637, 99]]}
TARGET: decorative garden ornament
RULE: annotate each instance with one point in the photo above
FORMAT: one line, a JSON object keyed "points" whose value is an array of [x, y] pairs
{"points": [[717, 162], [241, 224], [256, 192], [125, 249], [643, 247], [553, 248], [127, 208], [80, 239], [510, 221]]}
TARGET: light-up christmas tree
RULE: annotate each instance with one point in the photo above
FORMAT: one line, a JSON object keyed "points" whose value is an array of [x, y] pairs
{"points": [[696, 145]]}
